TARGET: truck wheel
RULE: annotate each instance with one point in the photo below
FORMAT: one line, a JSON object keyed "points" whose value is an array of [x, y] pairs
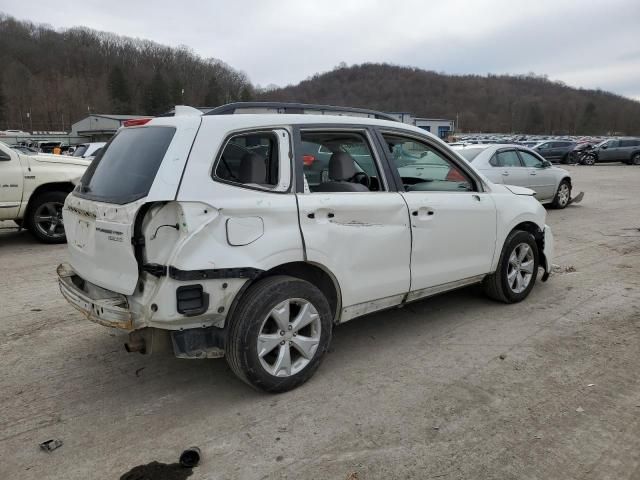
{"points": [[635, 160], [279, 333], [563, 195], [44, 218], [517, 269]]}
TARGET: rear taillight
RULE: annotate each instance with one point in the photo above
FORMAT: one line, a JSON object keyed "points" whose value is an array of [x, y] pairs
{"points": [[455, 176], [308, 160], [135, 122]]}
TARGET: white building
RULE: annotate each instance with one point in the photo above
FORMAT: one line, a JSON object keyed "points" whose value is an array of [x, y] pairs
{"points": [[99, 127], [438, 126]]}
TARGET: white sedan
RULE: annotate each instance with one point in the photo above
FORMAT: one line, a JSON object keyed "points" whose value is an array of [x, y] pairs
{"points": [[520, 166]]}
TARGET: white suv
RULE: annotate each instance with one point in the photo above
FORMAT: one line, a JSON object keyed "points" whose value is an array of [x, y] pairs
{"points": [[200, 233]]}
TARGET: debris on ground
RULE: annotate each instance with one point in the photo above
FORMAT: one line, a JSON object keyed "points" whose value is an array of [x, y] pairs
{"points": [[51, 445], [579, 409], [503, 356], [190, 457], [139, 371], [563, 268], [591, 385], [352, 476]]}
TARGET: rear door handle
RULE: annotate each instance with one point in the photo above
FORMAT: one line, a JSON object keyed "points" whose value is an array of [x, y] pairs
{"points": [[505, 174]]}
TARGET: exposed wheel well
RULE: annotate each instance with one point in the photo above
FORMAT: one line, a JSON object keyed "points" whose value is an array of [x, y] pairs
{"points": [[568, 179], [48, 187], [534, 230], [314, 274]]}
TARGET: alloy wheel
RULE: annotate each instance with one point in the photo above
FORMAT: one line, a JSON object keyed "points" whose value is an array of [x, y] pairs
{"points": [[48, 220], [289, 337], [564, 194], [520, 268]]}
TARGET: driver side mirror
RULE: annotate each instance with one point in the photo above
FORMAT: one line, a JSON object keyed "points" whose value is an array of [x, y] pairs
{"points": [[546, 164], [604, 147], [4, 156]]}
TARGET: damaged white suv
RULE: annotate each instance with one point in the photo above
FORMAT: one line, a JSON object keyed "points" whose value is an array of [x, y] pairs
{"points": [[201, 233]]}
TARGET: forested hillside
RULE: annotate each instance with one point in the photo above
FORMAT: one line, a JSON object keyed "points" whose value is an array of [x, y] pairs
{"points": [[491, 103], [58, 76], [51, 78]]}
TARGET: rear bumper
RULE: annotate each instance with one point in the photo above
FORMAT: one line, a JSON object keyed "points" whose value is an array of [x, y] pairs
{"points": [[101, 306]]}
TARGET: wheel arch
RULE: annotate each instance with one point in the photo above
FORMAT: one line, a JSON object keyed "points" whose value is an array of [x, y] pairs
{"points": [[316, 274], [66, 187]]}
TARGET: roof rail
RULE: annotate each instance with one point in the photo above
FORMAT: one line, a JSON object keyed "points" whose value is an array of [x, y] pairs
{"points": [[294, 108]]}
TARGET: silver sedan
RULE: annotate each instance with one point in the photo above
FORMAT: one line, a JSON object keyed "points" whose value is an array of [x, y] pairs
{"points": [[518, 165]]}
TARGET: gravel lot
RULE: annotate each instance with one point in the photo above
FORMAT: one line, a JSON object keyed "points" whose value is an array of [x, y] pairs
{"points": [[452, 387]]}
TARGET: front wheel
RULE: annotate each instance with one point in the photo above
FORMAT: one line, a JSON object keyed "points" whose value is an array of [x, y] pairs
{"points": [[635, 160], [588, 160], [563, 195], [279, 333], [517, 269], [44, 218]]}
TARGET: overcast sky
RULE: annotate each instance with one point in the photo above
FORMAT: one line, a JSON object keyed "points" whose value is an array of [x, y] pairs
{"points": [[584, 43]]}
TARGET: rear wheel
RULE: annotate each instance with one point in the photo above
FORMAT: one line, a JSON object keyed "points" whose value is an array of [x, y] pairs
{"points": [[563, 195], [517, 269], [44, 218], [279, 333], [635, 160]]}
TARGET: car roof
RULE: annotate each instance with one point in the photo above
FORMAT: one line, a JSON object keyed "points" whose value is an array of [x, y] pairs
{"points": [[251, 120]]}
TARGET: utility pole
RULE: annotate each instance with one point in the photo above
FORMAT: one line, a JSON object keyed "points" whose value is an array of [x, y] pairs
{"points": [[30, 120]]}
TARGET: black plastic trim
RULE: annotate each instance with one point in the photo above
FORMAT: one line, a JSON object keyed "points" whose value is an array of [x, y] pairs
{"points": [[296, 108]]}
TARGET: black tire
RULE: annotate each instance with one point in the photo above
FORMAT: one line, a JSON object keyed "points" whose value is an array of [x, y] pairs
{"points": [[41, 230], [635, 159], [589, 160], [248, 319], [561, 200], [496, 285]]}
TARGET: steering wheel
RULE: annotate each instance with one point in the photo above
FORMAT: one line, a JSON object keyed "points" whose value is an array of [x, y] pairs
{"points": [[362, 178]]}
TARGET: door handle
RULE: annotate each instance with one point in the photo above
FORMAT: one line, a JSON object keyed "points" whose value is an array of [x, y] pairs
{"points": [[312, 215], [415, 213], [505, 174], [532, 173]]}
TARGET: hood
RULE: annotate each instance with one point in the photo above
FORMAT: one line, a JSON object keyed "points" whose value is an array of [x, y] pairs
{"points": [[61, 159], [520, 190]]}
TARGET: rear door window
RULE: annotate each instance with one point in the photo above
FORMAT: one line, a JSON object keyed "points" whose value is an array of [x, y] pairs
{"points": [[126, 167], [507, 159]]}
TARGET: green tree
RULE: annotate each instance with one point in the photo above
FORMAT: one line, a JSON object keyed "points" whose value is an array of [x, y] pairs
{"points": [[3, 104], [246, 93], [214, 96], [157, 99], [119, 91]]}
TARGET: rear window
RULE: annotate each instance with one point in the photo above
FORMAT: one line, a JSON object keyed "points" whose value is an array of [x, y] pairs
{"points": [[126, 167]]}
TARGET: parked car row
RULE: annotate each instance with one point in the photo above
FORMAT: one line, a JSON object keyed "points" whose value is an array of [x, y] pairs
{"points": [[582, 150]]}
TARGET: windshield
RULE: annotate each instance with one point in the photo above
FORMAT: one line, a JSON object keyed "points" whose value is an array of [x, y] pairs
{"points": [[125, 169], [470, 154], [80, 149]]}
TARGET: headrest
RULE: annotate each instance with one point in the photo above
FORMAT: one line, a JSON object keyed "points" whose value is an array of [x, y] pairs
{"points": [[341, 166], [253, 169]]}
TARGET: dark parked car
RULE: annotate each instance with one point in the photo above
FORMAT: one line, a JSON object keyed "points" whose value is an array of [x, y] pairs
{"points": [[556, 150], [625, 150]]}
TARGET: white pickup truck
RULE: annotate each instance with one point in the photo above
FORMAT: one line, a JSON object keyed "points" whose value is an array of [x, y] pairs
{"points": [[33, 190]]}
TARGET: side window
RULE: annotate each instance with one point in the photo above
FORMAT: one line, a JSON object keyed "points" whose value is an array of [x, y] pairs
{"points": [[530, 160], [250, 159], [508, 159], [422, 168], [339, 162]]}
